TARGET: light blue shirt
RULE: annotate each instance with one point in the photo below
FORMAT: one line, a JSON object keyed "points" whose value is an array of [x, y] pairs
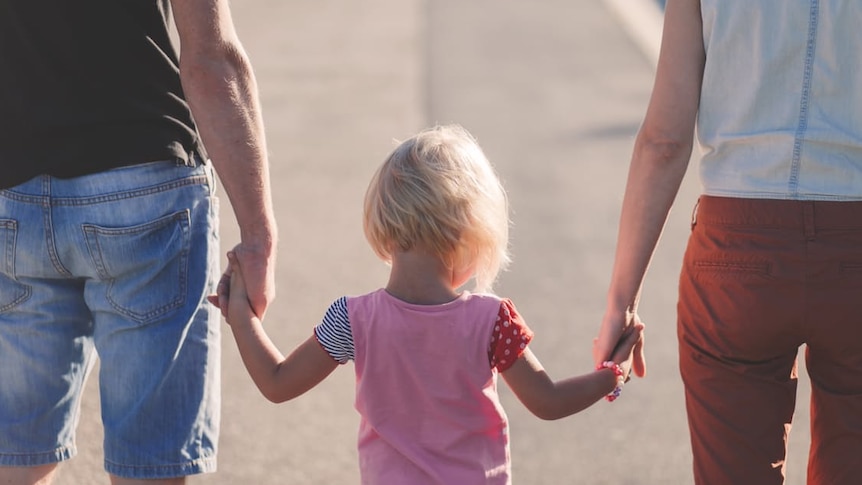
{"points": [[780, 115]]}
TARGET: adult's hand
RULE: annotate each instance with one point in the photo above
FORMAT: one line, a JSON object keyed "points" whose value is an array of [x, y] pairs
{"points": [[258, 266], [611, 331]]}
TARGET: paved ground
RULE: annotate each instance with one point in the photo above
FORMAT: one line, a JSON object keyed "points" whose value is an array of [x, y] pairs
{"points": [[554, 91]]}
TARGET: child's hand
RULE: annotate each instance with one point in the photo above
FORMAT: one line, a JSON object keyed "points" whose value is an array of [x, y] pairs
{"points": [[233, 296], [624, 351], [239, 308], [222, 297]]}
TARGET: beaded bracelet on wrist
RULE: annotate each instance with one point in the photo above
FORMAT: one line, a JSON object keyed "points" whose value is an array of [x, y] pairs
{"points": [[618, 372]]}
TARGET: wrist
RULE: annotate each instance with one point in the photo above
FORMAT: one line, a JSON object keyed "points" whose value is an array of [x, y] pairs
{"points": [[261, 230], [262, 240], [619, 376], [621, 302]]}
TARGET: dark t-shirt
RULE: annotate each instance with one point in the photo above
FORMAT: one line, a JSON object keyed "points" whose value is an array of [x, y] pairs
{"points": [[88, 85]]}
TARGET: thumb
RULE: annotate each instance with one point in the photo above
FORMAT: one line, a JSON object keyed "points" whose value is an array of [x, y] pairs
{"points": [[639, 361], [634, 334]]}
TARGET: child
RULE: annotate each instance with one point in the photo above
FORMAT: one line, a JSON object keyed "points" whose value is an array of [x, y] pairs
{"points": [[427, 355]]}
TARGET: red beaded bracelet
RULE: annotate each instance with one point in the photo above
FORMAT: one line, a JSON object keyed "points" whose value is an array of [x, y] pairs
{"points": [[618, 371]]}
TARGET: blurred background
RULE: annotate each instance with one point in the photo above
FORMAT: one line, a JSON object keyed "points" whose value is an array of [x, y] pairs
{"points": [[554, 91]]}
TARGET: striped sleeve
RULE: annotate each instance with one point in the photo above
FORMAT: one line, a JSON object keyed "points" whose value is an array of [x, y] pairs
{"points": [[334, 333]]}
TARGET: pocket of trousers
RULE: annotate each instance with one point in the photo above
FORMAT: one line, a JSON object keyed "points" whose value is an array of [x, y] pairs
{"points": [[143, 268], [12, 292]]}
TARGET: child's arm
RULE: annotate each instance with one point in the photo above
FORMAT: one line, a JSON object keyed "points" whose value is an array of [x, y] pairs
{"points": [[550, 399], [278, 378]]}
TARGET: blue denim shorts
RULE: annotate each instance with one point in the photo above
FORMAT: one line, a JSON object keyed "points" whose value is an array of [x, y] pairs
{"points": [[115, 264]]}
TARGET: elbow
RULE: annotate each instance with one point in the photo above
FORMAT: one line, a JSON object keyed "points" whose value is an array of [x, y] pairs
{"points": [[546, 402], [663, 150], [547, 411], [269, 393], [274, 393], [274, 396], [214, 65], [548, 416]]}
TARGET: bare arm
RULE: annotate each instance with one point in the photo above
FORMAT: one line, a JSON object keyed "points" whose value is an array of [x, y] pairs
{"points": [[222, 92], [278, 378], [550, 399], [659, 161]]}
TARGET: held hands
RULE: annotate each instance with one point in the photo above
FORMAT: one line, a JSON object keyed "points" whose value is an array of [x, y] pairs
{"points": [[614, 336], [233, 297], [624, 352], [259, 271]]}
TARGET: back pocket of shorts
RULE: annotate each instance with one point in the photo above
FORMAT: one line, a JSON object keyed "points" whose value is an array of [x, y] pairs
{"points": [[144, 268], [11, 291]]}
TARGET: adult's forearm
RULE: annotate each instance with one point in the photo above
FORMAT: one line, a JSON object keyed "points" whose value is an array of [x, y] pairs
{"points": [[222, 93], [655, 175]]}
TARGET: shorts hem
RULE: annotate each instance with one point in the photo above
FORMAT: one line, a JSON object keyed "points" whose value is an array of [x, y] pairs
{"points": [[153, 472], [56, 455]]}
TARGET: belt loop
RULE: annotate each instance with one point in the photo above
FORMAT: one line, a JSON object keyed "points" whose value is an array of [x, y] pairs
{"points": [[808, 220], [192, 159]]}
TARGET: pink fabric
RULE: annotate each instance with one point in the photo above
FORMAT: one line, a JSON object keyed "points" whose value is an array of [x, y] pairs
{"points": [[426, 394]]}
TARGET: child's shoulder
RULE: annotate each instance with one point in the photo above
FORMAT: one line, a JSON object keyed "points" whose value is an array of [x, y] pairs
{"points": [[377, 298], [371, 295], [491, 301], [488, 298]]}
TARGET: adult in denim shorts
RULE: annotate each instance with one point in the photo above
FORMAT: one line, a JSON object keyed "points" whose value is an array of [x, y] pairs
{"points": [[774, 259], [109, 229]]}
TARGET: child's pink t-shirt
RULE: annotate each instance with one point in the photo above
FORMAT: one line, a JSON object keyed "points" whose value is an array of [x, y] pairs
{"points": [[426, 389]]}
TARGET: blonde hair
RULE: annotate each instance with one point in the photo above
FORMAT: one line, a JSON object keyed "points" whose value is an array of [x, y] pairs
{"points": [[437, 191]]}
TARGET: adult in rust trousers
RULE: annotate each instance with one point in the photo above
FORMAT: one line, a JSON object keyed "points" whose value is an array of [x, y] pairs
{"points": [[774, 259]]}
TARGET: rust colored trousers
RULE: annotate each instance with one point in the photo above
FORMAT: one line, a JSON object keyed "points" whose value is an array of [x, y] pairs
{"points": [[760, 278]]}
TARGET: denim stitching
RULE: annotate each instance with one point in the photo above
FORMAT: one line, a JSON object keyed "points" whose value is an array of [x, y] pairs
{"points": [[9, 242], [11, 227], [131, 194], [48, 221], [793, 182], [78, 201], [182, 219]]}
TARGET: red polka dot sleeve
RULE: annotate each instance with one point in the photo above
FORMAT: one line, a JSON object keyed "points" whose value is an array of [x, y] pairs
{"points": [[509, 338]]}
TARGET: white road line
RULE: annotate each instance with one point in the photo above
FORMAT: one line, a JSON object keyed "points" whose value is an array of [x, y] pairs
{"points": [[643, 21]]}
